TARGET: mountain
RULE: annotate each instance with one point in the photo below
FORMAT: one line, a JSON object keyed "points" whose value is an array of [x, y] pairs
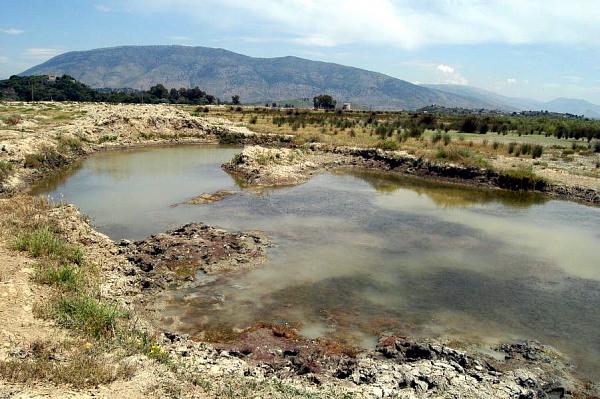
{"points": [[573, 106], [505, 103], [224, 74]]}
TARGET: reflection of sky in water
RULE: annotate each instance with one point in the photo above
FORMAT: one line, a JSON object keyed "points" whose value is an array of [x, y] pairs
{"points": [[360, 253]]}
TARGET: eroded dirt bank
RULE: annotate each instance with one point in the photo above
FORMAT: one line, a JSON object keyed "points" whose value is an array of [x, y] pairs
{"points": [[261, 361], [260, 166]]}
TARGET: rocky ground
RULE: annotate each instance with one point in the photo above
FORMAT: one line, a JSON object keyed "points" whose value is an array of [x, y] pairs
{"points": [[261, 361]]}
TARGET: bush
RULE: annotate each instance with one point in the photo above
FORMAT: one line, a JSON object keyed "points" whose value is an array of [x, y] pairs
{"points": [[253, 120], [511, 147], [446, 138], [87, 315], [437, 136], [537, 151], [469, 125]]}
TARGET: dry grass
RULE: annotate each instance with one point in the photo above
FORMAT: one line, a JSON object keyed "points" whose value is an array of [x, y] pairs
{"points": [[78, 365]]}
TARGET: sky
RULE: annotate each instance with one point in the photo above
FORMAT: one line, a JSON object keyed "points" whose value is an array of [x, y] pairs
{"points": [[540, 49]]}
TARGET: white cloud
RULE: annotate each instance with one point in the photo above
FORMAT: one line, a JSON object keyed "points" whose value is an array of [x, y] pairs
{"points": [[446, 69], [572, 78], [41, 53], [12, 31], [511, 81], [102, 7], [407, 23], [3, 59], [451, 75]]}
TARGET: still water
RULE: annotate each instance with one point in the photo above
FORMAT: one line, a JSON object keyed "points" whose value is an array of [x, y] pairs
{"points": [[359, 253]]}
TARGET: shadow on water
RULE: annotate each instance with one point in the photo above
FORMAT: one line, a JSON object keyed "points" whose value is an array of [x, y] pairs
{"points": [[359, 252]]}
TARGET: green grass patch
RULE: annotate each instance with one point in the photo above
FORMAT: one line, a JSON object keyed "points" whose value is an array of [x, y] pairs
{"points": [[87, 315], [65, 277], [44, 242]]}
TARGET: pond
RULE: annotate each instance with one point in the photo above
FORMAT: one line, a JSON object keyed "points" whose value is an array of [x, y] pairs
{"points": [[359, 253]]}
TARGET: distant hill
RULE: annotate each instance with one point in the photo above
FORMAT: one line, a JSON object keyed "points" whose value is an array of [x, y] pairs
{"points": [[574, 106], [505, 103], [224, 74]]}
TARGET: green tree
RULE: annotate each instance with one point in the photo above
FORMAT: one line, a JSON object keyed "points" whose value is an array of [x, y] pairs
{"points": [[159, 91], [324, 101], [235, 100]]}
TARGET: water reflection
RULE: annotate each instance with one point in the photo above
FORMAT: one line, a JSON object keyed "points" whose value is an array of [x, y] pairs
{"points": [[442, 194], [357, 253]]}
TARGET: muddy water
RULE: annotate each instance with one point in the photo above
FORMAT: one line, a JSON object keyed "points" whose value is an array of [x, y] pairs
{"points": [[360, 253]]}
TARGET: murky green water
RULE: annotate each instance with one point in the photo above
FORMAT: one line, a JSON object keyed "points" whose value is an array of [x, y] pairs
{"points": [[357, 254]]}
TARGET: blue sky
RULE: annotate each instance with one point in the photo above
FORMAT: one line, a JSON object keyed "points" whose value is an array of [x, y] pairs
{"points": [[527, 48]]}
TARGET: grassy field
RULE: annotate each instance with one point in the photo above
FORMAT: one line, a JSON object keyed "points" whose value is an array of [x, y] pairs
{"points": [[433, 138]]}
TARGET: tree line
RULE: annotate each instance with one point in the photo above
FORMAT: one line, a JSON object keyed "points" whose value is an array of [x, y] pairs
{"points": [[66, 88]]}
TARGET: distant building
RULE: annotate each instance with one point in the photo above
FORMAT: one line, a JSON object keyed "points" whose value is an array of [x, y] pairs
{"points": [[347, 107], [52, 78]]}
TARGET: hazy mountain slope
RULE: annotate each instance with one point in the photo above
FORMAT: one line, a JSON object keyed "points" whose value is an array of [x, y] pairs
{"points": [[573, 106], [562, 105], [504, 103], [225, 73]]}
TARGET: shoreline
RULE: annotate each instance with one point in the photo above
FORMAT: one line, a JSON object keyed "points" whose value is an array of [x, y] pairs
{"points": [[399, 366]]}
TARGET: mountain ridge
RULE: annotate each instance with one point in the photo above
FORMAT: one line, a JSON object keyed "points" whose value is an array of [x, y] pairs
{"points": [[226, 73]]}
